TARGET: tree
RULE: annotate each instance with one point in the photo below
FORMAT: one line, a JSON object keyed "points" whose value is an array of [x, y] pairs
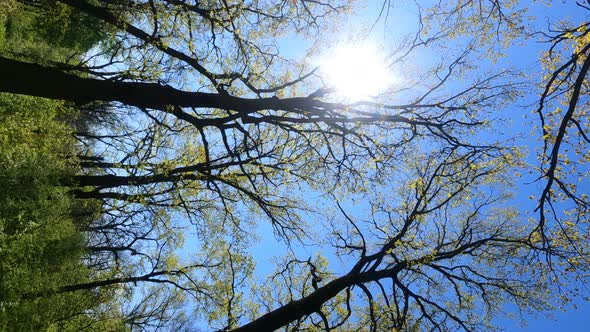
{"points": [[209, 121], [41, 246], [413, 256], [562, 113]]}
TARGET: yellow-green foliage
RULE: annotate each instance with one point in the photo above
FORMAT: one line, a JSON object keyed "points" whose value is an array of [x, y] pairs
{"points": [[53, 32], [40, 244]]}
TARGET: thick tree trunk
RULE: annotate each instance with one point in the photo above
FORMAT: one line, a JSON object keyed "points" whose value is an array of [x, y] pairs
{"points": [[35, 80], [298, 309], [310, 304]]}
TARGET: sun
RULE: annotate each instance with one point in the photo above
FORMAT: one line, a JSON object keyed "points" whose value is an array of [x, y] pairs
{"points": [[356, 72]]}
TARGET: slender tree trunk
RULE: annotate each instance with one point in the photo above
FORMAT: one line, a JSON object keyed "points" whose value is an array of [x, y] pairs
{"points": [[150, 277]]}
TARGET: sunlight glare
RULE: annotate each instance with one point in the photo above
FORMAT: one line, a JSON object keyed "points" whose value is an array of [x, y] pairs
{"points": [[356, 72]]}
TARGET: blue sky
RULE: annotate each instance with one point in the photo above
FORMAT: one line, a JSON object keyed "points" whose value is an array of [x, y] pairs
{"points": [[576, 317], [524, 57]]}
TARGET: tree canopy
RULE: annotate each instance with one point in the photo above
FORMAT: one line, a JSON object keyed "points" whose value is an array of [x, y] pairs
{"points": [[159, 143]]}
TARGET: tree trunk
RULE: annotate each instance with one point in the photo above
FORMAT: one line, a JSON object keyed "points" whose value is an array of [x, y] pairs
{"points": [[35, 80], [310, 304]]}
